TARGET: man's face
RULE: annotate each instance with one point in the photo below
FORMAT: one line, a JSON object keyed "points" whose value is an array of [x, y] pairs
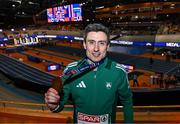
{"points": [[96, 45]]}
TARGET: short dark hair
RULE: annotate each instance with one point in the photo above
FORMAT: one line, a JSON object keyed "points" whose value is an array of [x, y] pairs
{"points": [[96, 27]]}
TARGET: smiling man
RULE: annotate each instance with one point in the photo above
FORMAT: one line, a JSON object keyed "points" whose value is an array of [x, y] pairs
{"points": [[95, 91], [96, 45]]}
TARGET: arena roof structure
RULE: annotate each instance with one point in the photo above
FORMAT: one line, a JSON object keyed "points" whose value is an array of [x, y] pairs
{"points": [[14, 11]]}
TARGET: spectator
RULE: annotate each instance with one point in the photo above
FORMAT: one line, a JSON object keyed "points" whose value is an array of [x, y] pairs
{"points": [[135, 80], [151, 61]]}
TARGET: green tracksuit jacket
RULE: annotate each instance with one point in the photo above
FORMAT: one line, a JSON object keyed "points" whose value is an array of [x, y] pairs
{"points": [[96, 92]]}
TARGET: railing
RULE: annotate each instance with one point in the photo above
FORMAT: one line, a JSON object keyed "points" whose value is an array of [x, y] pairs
{"points": [[20, 112], [39, 113], [5, 104], [38, 106], [44, 107]]}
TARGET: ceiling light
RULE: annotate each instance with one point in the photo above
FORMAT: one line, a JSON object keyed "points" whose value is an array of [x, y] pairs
{"points": [[155, 17], [117, 6], [136, 17], [100, 7], [30, 2], [18, 1]]}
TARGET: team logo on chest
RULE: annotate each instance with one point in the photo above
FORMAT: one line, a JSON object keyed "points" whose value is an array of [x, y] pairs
{"points": [[108, 85]]}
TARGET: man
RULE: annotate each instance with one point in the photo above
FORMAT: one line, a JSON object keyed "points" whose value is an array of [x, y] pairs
{"points": [[135, 80], [94, 92]]}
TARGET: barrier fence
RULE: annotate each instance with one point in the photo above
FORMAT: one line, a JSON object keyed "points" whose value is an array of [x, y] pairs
{"points": [[39, 113]]}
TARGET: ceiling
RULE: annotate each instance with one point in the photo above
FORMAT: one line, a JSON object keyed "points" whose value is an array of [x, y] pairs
{"points": [[10, 10], [18, 12]]}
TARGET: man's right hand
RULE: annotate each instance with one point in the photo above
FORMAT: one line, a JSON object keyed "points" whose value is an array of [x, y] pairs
{"points": [[52, 98]]}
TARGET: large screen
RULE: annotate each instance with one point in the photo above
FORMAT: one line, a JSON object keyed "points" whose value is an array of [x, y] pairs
{"points": [[65, 13]]}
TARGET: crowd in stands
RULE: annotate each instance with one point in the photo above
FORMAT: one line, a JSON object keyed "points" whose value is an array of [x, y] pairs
{"points": [[165, 28], [169, 28], [131, 31]]}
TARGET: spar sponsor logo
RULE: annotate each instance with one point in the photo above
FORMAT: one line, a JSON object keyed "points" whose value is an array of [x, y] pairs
{"points": [[88, 118]]}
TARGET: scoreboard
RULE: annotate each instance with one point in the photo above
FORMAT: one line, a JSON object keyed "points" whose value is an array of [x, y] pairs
{"points": [[26, 41]]}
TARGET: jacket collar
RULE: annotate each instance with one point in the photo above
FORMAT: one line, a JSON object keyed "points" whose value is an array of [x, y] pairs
{"points": [[103, 63]]}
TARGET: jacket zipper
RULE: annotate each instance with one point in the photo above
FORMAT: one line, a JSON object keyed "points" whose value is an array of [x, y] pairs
{"points": [[95, 87]]}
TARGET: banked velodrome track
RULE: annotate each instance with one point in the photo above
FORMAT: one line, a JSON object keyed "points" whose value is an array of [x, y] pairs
{"points": [[20, 71], [42, 80]]}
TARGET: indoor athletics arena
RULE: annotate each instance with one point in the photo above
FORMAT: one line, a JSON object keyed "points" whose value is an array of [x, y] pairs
{"points": [[39, 38]]}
